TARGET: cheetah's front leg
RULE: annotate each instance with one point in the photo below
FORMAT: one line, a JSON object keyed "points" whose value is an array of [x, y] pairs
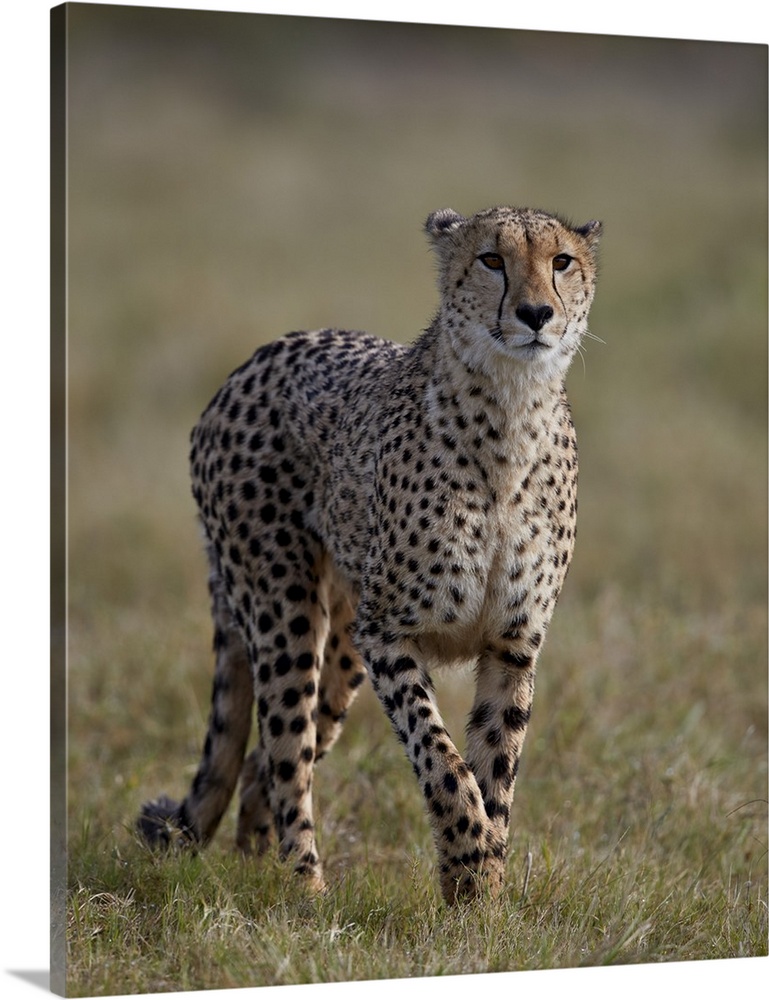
{"points": [[496, 730], [460, 826]]}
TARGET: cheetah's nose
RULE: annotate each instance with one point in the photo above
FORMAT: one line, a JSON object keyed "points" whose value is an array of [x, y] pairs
{"points": [[534, 317]]}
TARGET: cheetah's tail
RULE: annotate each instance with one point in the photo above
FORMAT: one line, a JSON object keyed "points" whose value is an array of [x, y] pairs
{"points": [[163, 821]]}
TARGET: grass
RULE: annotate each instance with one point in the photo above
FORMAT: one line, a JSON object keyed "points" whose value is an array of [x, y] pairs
{"points": [[635, 837], [210, 210]]}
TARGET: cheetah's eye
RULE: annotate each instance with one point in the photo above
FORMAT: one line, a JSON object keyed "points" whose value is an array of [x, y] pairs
{"points": [[493, 261], [561, 262]]}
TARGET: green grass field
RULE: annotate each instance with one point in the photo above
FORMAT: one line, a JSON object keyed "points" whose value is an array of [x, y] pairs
{"points": [[237, 177]]}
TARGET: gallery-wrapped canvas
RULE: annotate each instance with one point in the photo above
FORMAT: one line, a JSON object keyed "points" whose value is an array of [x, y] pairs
{"points": [[382, 522]]}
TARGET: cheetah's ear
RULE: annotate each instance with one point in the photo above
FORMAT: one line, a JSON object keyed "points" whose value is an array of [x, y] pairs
{"points": [[443, 221], [591, 231]]}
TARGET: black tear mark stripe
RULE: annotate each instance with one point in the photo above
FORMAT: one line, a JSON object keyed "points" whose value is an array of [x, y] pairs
{"points": [[498, 332]]}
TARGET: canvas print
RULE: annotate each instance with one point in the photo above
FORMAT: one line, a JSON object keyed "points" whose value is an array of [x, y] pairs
{"points": [[401, 370]]}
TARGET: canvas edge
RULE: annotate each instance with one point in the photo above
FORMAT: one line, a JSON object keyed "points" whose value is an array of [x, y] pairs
{"points": [[58, 519]]}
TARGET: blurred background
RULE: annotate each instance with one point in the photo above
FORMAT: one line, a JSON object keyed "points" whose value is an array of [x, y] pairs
{"points": [[236, 176]]}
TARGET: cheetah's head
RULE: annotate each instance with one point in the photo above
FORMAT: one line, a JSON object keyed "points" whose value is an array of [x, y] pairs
{"points": [[516, 287]]}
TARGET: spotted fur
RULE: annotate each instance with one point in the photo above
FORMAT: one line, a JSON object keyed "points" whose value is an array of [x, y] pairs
{"points": [[377, 508]]}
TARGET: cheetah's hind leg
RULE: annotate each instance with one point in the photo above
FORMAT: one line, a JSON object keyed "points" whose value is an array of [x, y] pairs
{"points": [[341, 677], [256, 827], [342, 674], [195, 819]]}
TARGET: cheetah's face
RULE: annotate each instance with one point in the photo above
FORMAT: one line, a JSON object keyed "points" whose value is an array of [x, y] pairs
{"points": [[516, 286]]}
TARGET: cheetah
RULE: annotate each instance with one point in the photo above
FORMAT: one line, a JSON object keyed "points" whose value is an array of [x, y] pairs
{"points": [[374, 508]]}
